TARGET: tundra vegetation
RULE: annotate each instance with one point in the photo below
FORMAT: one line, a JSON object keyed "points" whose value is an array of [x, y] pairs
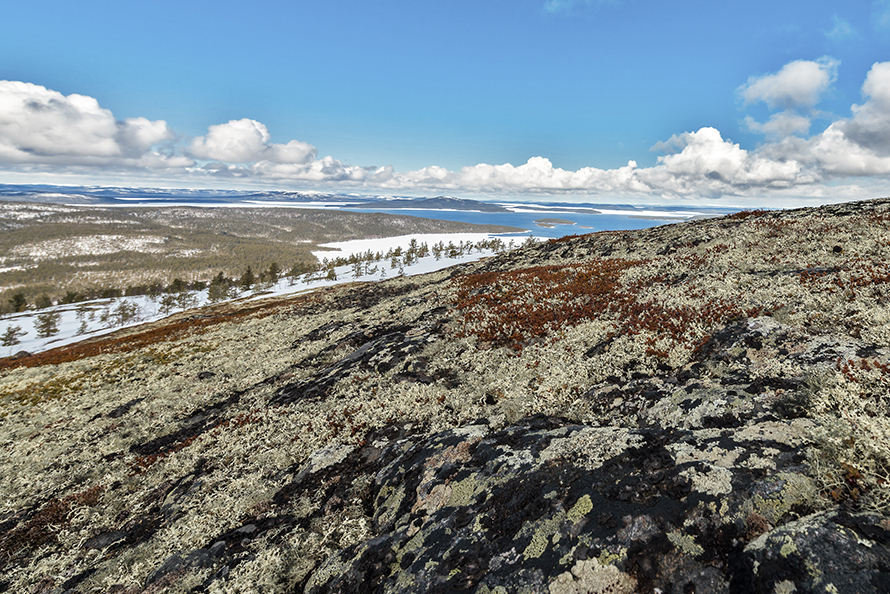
{"points": [[697, 407]]}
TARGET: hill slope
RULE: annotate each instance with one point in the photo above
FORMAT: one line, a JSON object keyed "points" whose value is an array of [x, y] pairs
{"points": [[698, 407]]}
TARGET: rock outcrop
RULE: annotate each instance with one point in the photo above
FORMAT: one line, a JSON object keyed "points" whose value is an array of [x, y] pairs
{"points": [[699, 407]]}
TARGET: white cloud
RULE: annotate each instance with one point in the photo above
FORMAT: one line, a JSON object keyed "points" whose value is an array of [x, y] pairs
{"points": [[798, 84], [326, 169], [292, 152], [238, 141], [856, 146], [247, 141], [137, 135], [785, 123], [837, 153], [797, 88], [707, 156], [705, 164], [870, 125], [41, 126]]}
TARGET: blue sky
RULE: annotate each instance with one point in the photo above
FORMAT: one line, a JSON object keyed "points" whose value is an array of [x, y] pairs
{"points": [[712, 102]]}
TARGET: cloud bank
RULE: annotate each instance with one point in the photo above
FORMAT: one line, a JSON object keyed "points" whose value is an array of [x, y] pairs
{"points": [[42, 127]]}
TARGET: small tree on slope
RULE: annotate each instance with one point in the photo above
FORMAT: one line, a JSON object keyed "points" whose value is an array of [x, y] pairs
{"points": [[47, 324], [11, 336]]}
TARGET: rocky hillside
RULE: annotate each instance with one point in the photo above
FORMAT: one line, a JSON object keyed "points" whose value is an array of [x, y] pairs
{"points": [[699, 407]]}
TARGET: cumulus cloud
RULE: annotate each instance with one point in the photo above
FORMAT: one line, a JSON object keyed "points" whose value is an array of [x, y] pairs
{"points": [[870, 125], [237, 141], [836, 153], [858, 146], [41, 126], [538, 173], [798, 84], [247, 141], [706, 155], [855, 146]]}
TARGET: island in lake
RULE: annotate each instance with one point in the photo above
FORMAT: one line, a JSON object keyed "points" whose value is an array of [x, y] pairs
{"points": [[550, 223]]}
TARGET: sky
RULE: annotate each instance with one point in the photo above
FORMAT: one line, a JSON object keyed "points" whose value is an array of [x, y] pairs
{"points": [[759, 103]]}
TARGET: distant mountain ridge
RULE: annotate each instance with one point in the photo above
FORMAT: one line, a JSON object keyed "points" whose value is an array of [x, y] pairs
{"points": [[111, 195]]}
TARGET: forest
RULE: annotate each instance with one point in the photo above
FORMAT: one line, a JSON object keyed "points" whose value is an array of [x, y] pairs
{"points": [[52, 254]]}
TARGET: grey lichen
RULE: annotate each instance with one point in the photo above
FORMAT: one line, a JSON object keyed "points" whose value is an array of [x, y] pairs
{"points": [[589, 577]]}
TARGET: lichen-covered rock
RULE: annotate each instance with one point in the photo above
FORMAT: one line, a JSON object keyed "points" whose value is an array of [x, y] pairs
{"points": [[699, 407], [481, 509], [834, 551]]}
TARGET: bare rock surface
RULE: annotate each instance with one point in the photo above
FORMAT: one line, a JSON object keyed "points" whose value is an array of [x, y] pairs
{"points": [[699, 407]]}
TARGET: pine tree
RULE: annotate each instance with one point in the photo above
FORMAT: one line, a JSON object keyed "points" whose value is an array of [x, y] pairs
{"points": [[273, 272], [125, 312], [47, 324], [177, 286], [247, 279], [43, 302], [82, 311], [11, 336], [18, 302], [168, 302], [218, 289]]}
